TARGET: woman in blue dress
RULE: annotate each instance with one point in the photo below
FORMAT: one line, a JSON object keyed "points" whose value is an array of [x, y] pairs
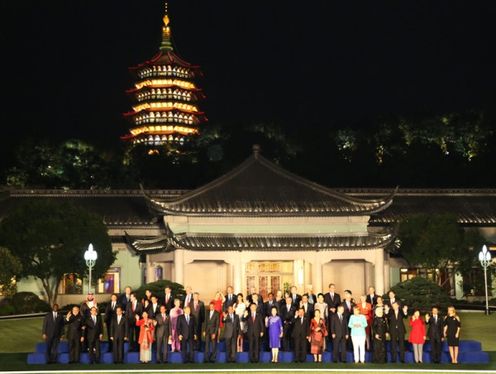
{"points": [[274, 325]]}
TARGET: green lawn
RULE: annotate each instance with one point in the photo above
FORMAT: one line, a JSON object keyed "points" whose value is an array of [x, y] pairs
{"points": [[20, 336]]}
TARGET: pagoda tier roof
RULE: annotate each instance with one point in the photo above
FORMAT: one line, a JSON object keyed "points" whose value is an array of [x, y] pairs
{"points": [[258, 187], [165, 58], [134, 89], [133, 113], [238, 242]]}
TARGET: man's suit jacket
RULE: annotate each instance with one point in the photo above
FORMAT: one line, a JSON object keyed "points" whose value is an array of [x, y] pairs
{"points": [[169, 304], [435, 328], [183, 301], [212, 324], [227, 303], [163, 327], [301, 330], [254, 327], [332, 302], [53, 328], [371, 301], [396, 325], [119, 330], [131, 314], [198, 312], [109, 312], [152, 310], [308, 310], [231, 326], [187, 330], [93, 330], [348, 311], [122, 301], [287, 316], [268, 307], [339, 326], [296, 299], [74, 326]]}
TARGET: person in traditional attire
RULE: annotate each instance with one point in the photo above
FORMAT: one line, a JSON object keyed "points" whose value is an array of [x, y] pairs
{"points": [[145, 340], [452, 326], [318, 333], [174, 313], [379, 332], [239, 309], [274, 326]]}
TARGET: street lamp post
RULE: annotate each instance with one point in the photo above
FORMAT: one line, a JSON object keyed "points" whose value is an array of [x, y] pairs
{"points": [[90, 257], [485, 261]]}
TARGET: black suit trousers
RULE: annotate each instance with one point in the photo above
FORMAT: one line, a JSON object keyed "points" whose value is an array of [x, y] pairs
{"points": [[187, 350], [300, 349], [436, 349], [52, 345], [74, 348], [162, 348], [254, 348], [94, 349], [339, 349], [231, 345], [397, 343], [118, 350], [210, 348]]}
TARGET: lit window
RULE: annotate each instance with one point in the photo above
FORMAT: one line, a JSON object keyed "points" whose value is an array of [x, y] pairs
{"points": [[71, 284], [110, 283]]}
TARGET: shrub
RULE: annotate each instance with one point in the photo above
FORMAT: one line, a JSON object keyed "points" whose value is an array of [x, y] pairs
{"points": [[421, 293], [157, 288], [6, 307], [28, 302]]}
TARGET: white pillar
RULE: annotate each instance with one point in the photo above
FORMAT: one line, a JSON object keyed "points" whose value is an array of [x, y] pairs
{"points": [[317, 273], [179, 266], [379, 271], [150, 273], [238, 274]]}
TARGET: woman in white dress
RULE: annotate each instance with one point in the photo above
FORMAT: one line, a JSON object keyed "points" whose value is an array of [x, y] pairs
{"points": [[239, 309]]}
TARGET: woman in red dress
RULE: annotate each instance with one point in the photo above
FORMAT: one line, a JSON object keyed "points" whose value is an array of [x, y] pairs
{"points": [[318, 333], [218, 302], [417, 336], [366, 309], [145, 340]]}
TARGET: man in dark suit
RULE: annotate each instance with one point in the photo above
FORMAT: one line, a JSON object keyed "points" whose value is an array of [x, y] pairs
{"points": [[109, 315], [397, 331], [168, 299], [332, 299], [212, 323], [257, 300], [255, 331], [119, 332], [307, 307], [348, 304], [188, 297], [339, 334], [162, 334], [295, 297], [125, 298], [94, 334], [287, 314], [198, 311], [231, 332], [392, 299], [134, 308], [186, 333], [75, 327], [153, 307], [267, 308], [300, 334], [230, 298], [53, 328], [371, 297], [435, 333]]}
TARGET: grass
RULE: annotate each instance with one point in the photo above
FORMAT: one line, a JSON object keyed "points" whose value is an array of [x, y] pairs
{"points": [[17, 337]]}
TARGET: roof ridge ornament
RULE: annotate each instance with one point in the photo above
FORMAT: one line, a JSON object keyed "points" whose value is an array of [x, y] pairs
{"points": [[166, 44]]}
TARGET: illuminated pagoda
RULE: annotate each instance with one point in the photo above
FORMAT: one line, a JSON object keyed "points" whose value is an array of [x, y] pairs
{"points": [[165, 96]]}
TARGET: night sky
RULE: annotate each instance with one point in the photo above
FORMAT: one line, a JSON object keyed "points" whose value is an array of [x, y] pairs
{"points": [[303, 64]]}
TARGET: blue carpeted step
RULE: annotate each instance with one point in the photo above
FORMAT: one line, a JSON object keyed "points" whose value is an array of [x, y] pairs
{"points": [[131, 358], [175, 358], [221, 357], [242, 357], [199, 357], [63, 358], [473, 357], [107, 358], [286, 356], [63, 347], [36, 358]]}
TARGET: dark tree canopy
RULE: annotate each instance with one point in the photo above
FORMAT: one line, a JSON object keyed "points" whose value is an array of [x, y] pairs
{"points": [[50, 238]]}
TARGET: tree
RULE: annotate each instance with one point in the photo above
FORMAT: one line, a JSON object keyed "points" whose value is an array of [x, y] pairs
{"points": [[421, 293], [50, 237], [437, 241], [10, 267]]}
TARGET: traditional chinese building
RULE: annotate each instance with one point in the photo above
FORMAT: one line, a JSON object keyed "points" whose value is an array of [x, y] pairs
{"points": [[165, 98]]}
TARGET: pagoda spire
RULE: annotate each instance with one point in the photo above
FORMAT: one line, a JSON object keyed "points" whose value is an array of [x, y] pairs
{"points": [[166, 44]]}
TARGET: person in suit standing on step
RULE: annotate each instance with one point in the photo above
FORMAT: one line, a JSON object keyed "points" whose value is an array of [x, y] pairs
{"points": [[300, 334], [287, 312], [188, 298], [94, 334], [231, 331], [230, 298], [75, 328], [339, 334], [255, 331], [109, 315], [53, 328], [134, 308], [162, 333], [397, 330], [435, 334], [212, 324], [119, 333], [198, 311], [168, 299], [186, 334]]}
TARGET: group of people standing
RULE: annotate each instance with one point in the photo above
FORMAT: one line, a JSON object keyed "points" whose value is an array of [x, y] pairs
{"points": [[289, 322]]}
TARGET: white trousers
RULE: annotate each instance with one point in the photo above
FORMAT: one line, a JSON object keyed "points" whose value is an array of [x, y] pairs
{"points": [[358, 348]]}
